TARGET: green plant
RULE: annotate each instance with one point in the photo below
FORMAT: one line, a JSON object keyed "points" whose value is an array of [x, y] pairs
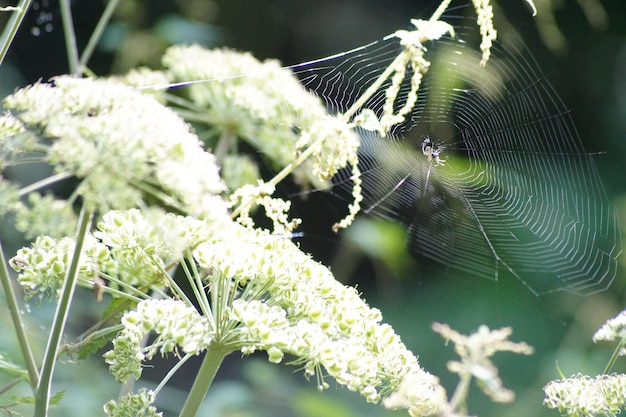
{"points": [[174, 248]]}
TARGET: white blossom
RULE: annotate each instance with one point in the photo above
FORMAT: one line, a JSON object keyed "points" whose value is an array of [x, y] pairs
{"points": [[177, 325], [613, 329], [585, 396]]}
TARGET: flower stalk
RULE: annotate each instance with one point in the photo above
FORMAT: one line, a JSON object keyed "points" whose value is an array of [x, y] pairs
{"points": [[10, 30], [42, 397], [16, 318], [211, 363]]}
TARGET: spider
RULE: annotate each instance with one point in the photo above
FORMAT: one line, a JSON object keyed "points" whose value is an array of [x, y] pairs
{"points": [[432, 151]]}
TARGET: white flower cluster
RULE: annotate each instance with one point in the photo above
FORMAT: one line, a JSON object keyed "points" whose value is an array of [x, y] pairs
{"points": [[137, 238], [44, 215], [133, 405], [42, 266], [121, 144], [337, 146], [325, 325], [613, 329], [268, 295], [130, 248], [584, 396], [260, 102], [177, 324], [488, 33], [475, 351]]}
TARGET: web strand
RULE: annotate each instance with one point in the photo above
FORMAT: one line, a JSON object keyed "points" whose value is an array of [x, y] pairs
{"points": [[518, 195]]}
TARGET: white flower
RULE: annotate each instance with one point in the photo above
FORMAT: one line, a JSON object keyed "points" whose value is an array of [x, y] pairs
{"points": [[43, 266], [121, 144], [584, 396], [136, 405], [613, 329], [177, 325], [259, 102]]}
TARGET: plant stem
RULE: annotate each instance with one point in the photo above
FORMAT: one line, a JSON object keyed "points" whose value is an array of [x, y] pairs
{"points": [[9, 32], [45, 182], [211, 363], [42, 396], [171, 373], [70, 37], [614, 356], [16, 317], [225, 142], [97, 33], [460, 394]]}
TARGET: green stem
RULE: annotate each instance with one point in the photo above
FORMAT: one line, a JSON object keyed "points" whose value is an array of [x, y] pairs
{"points": [[70, 37], [460, 394], [171, 373], [52, 179], [16, 317], [224, 144], [42, 396], [97, 33], [211, 363], [9, 32], [614, 356]]}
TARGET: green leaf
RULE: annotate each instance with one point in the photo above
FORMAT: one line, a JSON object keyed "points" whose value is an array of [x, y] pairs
{"points": [[56, 398], [9, 367], [96, 341], [31, 400]]}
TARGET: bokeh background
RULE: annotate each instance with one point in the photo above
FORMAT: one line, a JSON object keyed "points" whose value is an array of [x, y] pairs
{"points": [[588, 56]]}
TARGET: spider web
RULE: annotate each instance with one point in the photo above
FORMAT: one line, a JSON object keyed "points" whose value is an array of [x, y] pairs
{"points": [[517, 195]]}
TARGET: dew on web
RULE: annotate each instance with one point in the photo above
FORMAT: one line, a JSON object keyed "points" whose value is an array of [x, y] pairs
{"points": [[43, 18], [488, 174]]}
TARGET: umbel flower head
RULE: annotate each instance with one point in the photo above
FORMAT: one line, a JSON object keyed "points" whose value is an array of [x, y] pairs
{"points": [[241, 97], [135, 405], [124, 147], [266, 294], [585, 396], [251, 291], [613, 329]]}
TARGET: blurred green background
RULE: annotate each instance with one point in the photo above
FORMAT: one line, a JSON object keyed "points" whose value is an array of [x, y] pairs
{"points": [[591, 78]]}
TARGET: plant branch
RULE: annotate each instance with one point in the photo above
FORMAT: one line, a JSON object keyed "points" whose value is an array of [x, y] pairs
{"points": [[45, 182], [70, 37], [171, 373], [614, 356], [211, 363], [16, 318], [460, 394], [9, 32], [97, 34], [42, 396]]}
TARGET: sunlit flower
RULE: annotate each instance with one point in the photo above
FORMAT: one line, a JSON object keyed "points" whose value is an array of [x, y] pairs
{"points": [[177, 325], [259, 102], [121, 144], [488, 33], [307, 314], [263, 294], [613, 329], [584, 396], [42, 267]]}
